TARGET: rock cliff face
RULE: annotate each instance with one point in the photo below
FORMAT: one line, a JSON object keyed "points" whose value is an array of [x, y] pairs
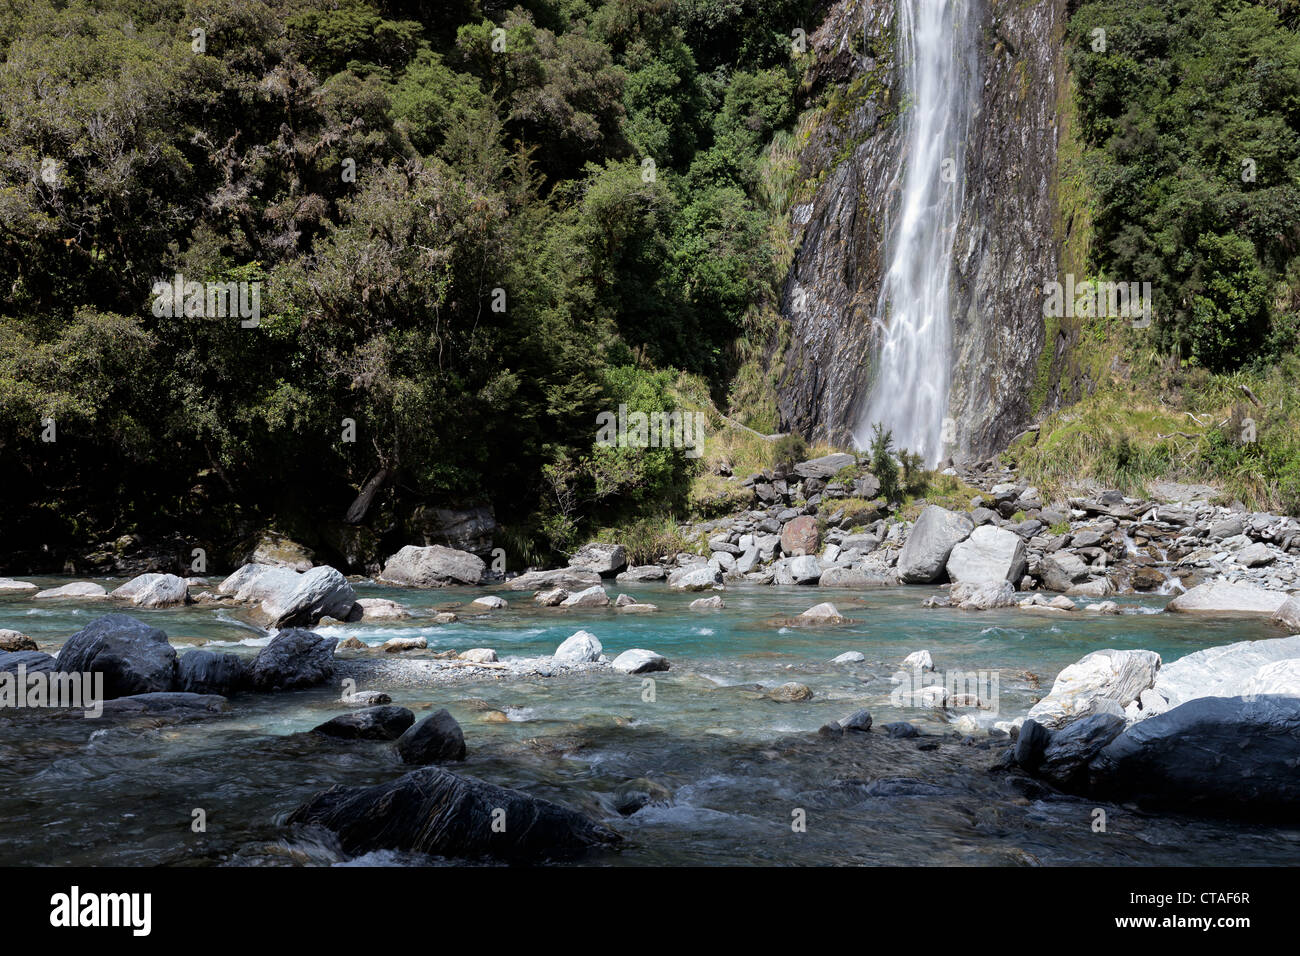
{"points": [[1006, 245]]}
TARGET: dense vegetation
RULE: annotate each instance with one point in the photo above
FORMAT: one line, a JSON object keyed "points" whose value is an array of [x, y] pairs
{"points": [[1189, 129], [474, 224]]}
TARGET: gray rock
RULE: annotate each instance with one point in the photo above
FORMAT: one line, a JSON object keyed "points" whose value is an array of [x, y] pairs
{"points": [[435, 739], [1256, 555], [1224, 597], [640, 661], [697, 578], [594, 596], [989, 554], [641, 572], [936, 532], [295, 658], [825, 467], [209, 672], [133, 657], [31, 661], [1103, 681], [1031, 744], [841, 577], [438, 813], [1213, 754], [849, 657], [169, 705], [82, 590], [859, 721], [711, 603], [570, 579], [320, 592], [1222, 671], [153, 590], [1067, 755], [605, 559], [384, 722], [982, 596], [433, 567], [578, 648]]}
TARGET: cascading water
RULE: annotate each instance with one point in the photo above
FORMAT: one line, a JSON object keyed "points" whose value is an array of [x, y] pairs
{"points": [[912, 358]]}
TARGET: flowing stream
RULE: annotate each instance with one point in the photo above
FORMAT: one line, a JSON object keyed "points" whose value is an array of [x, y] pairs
{"points": [[912, 362], [733, 764]]}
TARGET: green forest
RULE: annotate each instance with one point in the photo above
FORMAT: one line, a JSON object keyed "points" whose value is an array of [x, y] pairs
{"points": [[472, 226]]}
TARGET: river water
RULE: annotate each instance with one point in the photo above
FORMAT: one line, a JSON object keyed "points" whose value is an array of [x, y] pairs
{"points": [[738, 768]]}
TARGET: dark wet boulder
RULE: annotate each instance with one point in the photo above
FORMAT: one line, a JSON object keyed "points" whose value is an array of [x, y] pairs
{"points": [[1231, 755], [32, 661], [385, 722], [435, 739], [296, 658], [1066, 756], [901, 729], [211, 672], [133, 657], [440, 813], [170, 706], [1031, 744]]}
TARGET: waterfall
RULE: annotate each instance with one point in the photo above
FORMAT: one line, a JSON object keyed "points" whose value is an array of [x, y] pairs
{"points": [[913, 354]]}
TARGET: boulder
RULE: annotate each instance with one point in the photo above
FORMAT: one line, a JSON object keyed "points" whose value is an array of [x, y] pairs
{"points": [[275, 550], [377, 609], [172, 706], [825, 613], [827, 466], [594, 596], [295, 658], [438, 813], [790, 692], [605, 559], [1288, 614], [578, 648], [805, 569], [800, 536], [384, 722], [1061, 570], [840, 577], [490, 601], [1256, 555], [1104, 681], [711, 603], [982, 596], [154, 590], [83, 590], [1031, 744], [435, 739], [1066, 756], [253, 583], [478, 655], [31, 661], [320, 592], [133, 657], [859, 721], [1223, 671], [695, 578], [432, 566], [462, 529], [849, 657], [640, 661], [551, 598], [210, 672], [366, 698], [1096, 588], [1281, 678], [1224, 597], [641, 572], [1213, 754], [15, 641], [989, 554], [9, 584], [396, 645], [919, 660], [930, 543], [570, 579]]}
